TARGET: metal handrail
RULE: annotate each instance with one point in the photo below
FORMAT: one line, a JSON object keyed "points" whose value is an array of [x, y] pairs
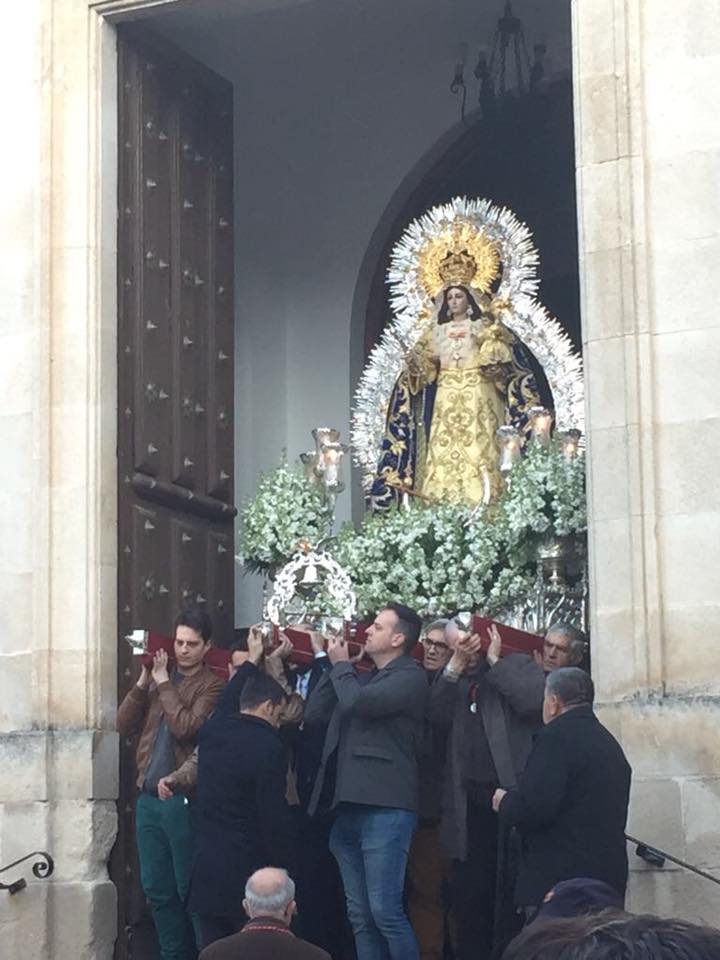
{"points": [[42, 869], [657, 858]]}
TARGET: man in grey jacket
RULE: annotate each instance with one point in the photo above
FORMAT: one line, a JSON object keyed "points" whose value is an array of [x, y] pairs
{"points": [[493, 707], [373, 737]]}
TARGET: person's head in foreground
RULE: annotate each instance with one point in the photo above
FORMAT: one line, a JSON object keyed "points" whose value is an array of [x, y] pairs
{"points": [[270, 892], [579, 897], [613, 935], [566, 688]]}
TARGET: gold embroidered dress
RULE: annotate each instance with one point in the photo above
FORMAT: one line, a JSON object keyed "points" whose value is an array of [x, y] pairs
{"points": [[461, 458], [466, 376]]}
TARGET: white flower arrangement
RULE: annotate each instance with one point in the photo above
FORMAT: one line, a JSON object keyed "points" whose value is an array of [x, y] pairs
{"points": [[439, 559], [545, 496], [436, 559], [414, 557], [285, 510]]}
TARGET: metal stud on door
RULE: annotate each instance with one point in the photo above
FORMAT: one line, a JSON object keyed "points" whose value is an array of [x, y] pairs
{"points": [[175, 376]]}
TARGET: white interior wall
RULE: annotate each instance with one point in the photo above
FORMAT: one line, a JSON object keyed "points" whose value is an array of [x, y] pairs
{"points": [[335, 102]]}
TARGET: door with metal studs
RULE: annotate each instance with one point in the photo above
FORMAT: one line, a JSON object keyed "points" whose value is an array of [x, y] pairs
{"points": [[175, 377]]}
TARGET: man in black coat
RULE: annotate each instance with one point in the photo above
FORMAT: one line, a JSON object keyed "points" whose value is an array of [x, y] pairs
{"points": [[492, 708], [243, 819], [571, 803], [427, 868], [374, 726], [322, 917]]}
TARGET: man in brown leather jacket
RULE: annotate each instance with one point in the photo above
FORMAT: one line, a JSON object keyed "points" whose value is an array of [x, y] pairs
{"points": [[167, 710]]}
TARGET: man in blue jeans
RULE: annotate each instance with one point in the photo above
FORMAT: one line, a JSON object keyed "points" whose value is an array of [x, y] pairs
{"points": [[374, 727]]}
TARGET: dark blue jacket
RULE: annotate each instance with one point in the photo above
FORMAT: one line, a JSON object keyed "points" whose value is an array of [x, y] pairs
{"points": [[309, 740], [570, 806], [243, 819]]}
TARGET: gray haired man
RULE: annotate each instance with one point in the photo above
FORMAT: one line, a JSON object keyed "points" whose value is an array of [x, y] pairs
{"points": [[564, 646], [570, 804], [270, 904], [520, 678]]}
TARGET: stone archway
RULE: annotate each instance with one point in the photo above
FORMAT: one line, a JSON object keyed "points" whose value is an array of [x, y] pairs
{"points": [[641, 137], [474, 159]]}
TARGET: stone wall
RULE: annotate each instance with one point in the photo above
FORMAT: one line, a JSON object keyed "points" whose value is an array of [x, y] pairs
{"points": [[58, 751], [57, 793], [648, 161], [648, 153]]}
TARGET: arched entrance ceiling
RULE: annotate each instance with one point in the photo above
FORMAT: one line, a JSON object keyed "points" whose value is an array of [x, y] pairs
{"points": [[522, 158]]}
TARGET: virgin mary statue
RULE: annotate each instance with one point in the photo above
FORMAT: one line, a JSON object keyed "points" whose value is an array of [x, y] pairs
{"points": [[467, 376]]}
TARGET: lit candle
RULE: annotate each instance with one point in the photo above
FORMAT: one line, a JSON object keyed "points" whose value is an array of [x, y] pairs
{"points": [[487, 493], [332, 455], [323, 435], [570, 443], [510, 446], [540, 423]]}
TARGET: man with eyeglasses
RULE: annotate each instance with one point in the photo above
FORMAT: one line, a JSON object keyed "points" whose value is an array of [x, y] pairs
{"points": [[493, 707], [426, 865], [436, 649]]}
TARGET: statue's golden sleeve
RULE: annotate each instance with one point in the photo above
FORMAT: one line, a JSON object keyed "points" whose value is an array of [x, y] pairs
{"points": [[495, 345]]}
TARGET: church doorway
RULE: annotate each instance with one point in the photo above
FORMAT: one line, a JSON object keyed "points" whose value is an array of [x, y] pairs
{"points": [[265, 158], [522, 156], [175, 377]]}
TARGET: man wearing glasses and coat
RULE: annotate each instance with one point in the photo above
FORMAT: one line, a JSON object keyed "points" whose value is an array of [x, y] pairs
{"points": [[491, 707], [427, 868]]}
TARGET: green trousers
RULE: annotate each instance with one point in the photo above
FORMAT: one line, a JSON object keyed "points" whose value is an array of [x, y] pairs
{"points": [[166, 849]]}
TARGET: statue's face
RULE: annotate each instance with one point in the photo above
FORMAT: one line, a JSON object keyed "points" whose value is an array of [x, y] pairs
{"points": [[457, 302]]}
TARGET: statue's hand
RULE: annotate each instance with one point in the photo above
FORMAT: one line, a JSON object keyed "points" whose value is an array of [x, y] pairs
{"points": [[421, 369], [496, 370]]}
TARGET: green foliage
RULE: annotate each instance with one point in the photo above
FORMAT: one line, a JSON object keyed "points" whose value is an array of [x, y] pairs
{"points": [[286, 509], [435, 559], [545, 494], [438, 559]]}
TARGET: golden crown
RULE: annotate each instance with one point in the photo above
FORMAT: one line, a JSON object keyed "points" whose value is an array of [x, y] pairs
{"points": [[460, 254], [457, 266]]}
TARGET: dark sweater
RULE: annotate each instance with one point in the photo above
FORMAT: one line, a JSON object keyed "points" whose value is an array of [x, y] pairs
{"points": [[570, 806], [263, 938], [243, 820]]}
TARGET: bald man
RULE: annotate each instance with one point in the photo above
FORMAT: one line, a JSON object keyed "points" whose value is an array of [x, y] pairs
{"points": [[270, 904]]}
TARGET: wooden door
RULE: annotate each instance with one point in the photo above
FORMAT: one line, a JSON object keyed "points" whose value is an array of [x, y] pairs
{"points": [[175, 376]]}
